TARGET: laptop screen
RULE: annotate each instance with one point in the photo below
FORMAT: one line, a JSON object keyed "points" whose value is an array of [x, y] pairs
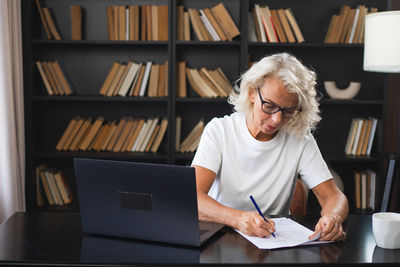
{"points": [[145, 201]]}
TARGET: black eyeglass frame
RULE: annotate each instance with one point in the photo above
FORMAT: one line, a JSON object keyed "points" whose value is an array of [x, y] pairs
{"points": [[277, 108]]}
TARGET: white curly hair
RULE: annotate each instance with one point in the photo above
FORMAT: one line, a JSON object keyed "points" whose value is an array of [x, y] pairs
{"points": [[297, 79]]}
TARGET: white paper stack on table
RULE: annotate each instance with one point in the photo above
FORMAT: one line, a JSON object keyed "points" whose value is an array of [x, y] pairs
{"points": [[288, 234]]}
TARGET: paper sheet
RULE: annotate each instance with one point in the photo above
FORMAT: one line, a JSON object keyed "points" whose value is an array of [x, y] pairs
{"points": [[288, 234]]}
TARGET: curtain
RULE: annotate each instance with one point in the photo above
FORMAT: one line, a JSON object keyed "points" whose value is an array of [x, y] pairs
{"points": [[12, 144]]}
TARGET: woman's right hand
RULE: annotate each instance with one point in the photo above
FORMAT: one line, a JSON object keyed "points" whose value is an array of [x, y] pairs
{"points": [[251, 223]]}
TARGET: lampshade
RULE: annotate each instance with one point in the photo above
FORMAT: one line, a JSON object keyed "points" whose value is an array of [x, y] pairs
{"points": [[382, 42]]}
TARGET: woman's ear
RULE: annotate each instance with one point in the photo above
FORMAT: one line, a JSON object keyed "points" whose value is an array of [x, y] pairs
{"points": [[251, 93]]}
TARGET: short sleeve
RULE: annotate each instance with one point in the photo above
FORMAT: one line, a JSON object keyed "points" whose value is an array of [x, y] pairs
{"points": [[208, 154], [312, 167]]}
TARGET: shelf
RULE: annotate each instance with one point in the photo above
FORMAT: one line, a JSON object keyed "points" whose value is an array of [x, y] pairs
{"points": [[329, 101], [207, 43], [97, 42], [305, 44], [102, 155], [79, 98], [343, 158], [201, 100]]}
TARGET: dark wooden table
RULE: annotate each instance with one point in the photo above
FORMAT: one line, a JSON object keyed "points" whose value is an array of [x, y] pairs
{"points": [[56, 239]]}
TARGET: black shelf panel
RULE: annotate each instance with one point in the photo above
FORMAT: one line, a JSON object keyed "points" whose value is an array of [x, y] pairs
{"points": [[202, 100], [329, 101], [97, 42], [207, 43], [184, 156], [102, 155], [342, 158], [80, 98], [305, 44]]}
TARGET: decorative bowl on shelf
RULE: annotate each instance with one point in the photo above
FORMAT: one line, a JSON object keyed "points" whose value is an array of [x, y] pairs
{"points": [[347, 93]]}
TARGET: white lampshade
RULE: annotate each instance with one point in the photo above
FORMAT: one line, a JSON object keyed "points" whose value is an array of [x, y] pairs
{"points": [[382, 42]]}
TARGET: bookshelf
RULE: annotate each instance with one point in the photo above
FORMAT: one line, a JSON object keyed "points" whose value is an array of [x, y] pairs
{"points": [[88, 61]]}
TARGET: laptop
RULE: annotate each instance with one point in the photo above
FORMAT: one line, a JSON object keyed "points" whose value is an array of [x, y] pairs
{"points": [[144, 201]]}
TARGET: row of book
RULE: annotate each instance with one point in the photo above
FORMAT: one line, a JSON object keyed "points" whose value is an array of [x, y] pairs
{"points": [[54, 78], [274, 25], [126, 135], [365, 189], [209, 24], [51, 187], [348, 26], [206, 83], [361, 136], [136, 79], [191, 142], [134, 23]]}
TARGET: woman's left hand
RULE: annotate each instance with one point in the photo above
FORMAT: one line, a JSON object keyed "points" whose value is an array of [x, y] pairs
{"points": [[330, 227]]}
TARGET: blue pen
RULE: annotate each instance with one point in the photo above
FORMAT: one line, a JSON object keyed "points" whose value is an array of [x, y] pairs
{"points": [[259, 211]]}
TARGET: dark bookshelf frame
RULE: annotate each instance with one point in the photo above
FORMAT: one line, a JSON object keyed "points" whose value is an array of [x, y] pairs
{"points": [[35, 46]]}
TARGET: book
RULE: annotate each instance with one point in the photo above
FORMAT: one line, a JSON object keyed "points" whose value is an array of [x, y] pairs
{"points": [[259, 23], [197, 25], [76, 22], [74, 131], [117, 133], [371, 136], [92, 133], [40, 197], [179, 23], [349, 137], [100, 137], [146, 75], [121, 23], [152, 138], [267, 23], [357, 189], [50, 76], [181, 73], [356, 137], [214, 23], [390, 173], [45, 80], [186, 26], [286, 26], [162, 87], [115, 81], [153, 80], [109, 79], [61, 76], [123, 136], [130, 76], [189, 138], [66, 133], [62, 188], [294, 25], [162, 12], [278, 26], [43, 19], [52, 26], [160, 135], [138, 81], [225, 20], [178, 126], [46, 187], [110, 22], [209, 27]]}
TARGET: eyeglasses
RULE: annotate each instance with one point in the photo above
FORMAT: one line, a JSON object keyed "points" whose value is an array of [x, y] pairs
{"points": [[270, 107]]}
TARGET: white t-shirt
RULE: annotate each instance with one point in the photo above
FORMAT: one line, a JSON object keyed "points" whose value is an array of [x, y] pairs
{"points": [[245, 166]]}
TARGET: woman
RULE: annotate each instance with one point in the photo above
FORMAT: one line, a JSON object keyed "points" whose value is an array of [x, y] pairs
{"points": [[261, 149]]}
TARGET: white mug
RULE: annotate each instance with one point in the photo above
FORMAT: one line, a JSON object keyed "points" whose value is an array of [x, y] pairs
{"points": [[386, 229]]}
